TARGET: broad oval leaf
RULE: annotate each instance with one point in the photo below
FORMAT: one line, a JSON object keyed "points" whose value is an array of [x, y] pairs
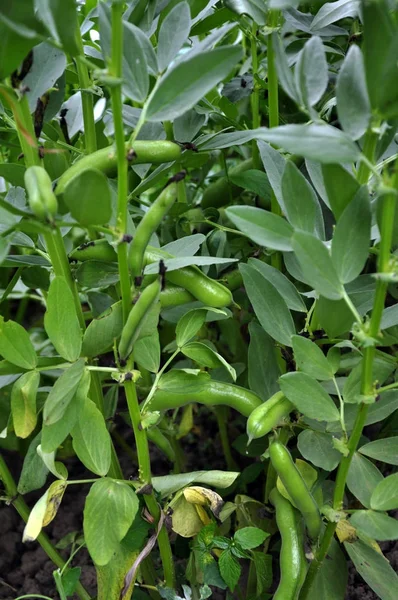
{"points": [[299, 198], [310, 358], [363, 479], [385, 495], [284, 286], [91, 440], [340, 187], [351, 237], [62, 393], [375, 525], [108, 513], [385, 450], [317, 265], [101, 333], [189, 325], [353, 104], [23, 403], [317, 447], [184, 85], [263, 368], [15, 345], [61, 322], [168, 484], [269, 306], [88, 198], [173, 34], [309, 397], [374, 568], [311, 72], [262, 226]]}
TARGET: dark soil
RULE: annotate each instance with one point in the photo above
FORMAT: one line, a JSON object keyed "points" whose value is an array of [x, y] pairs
{"points": [[26, 569]]}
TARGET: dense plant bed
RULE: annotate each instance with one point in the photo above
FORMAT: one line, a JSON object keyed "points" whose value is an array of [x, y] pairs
{"points": [[199, 327]]}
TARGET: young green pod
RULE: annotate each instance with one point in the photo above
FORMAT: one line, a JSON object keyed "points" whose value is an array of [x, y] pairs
{"points": [[136, 318], [212, 393], [268, 416], [202, 287], [173, 295], [100, 250], [148, 225], [219, 192], [296, 487], [41, 197], [292, 558], [155, 152]]}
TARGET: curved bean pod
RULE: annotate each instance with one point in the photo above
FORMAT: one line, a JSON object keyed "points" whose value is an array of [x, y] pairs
{"points": [[268, 416]]}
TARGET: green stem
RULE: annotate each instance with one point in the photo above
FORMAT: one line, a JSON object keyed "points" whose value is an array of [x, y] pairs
{"points": [[367, 384], [368, 151], [273, 99], [122, 165], [221, 415], [255, 97], [26, 136], [90, 137], [144, 463], [22, 508]]}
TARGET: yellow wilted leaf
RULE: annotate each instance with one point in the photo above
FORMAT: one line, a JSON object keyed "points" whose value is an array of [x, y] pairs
{"points": [[44, 510], [345, 531]]}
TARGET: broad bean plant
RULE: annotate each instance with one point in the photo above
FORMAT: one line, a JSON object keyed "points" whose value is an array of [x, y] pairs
{"points": [[198, 223]]}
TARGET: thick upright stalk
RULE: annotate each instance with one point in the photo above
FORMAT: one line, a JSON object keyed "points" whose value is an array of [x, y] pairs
{"points": [[23, 510], [122, 165], [367, 384], [144, 464], [368, 150], [255, 97], [273, 98], [90, 137]]}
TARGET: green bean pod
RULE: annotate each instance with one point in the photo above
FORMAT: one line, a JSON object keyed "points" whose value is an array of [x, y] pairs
{"points": [[296, 487], [41, 197], [212, 393], [292, 558], [155, 152], [268, 416], [148, 225], [173, 295], [100, 250], [136, 318], [203, 288], [220, 191]]}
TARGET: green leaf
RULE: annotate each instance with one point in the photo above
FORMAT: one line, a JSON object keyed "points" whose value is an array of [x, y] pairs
{"points": [[91, 440], [206, 357], [284, 286], [363, 478], [229, 568], [34, 471], [60, 18], [309, 397], [88, 198], [185, 84], [351, 238], [23, 403], [101, 333], [254, 181], [263, 567], [322, 143], [385, 450], [135, 50], [168, 484], [384, 407], [173, 34], [317, 265], [310, 359], [375, 525], [48, 65], [385, 495], [340, 186], [311, 72], [15, 345], [250, 537], [147, 352], [189, 325], [285, 74], [317, 447], [108, 513], [62, 393], [374, 568], [61, 322], [333, 316], [274, 165], [269, 306], [353, 105], [254, 8], [263, 368], [262, 227], [299, 198], [331, 12], [16, 20], [172, 264]]}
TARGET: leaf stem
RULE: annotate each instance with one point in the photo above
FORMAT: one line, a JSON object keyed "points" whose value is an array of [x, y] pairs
{"points": [[368, 151], [255, 96], [23, 510]]}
